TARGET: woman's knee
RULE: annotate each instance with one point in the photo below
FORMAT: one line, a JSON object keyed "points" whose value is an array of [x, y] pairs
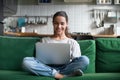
{"points": [[27, 62], [82, 60], [85, 59]]}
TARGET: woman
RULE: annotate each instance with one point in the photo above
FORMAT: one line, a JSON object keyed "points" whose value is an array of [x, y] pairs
{"points": [[77, 63]]}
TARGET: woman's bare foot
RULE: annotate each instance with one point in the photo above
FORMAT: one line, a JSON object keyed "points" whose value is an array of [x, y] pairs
{"points": [[58, 76]]}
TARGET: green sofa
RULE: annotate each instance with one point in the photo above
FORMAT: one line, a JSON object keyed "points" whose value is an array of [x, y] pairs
{"points": [[104, 54]]}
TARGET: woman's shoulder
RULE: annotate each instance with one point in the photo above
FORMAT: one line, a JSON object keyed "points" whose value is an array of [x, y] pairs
{"points": [[45, 39], [71, 40]]}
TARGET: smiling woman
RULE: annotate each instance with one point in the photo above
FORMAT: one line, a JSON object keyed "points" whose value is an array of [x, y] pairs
{"points": [[60, 23], [77, 63]]}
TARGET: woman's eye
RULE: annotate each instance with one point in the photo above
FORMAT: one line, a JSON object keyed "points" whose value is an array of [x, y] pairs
{"points": [[55, 23], [62, 23]]}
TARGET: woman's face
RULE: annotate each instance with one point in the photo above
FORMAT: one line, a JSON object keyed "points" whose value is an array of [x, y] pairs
{"points": [[60, 25]]}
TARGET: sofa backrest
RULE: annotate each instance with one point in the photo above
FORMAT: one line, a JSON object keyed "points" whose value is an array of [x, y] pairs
{"points": [[14, 49], [88, 48], [108, 55], [105, 51]]}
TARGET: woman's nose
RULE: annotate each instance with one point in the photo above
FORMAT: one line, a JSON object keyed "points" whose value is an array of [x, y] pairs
{"points": [[59, 26]]}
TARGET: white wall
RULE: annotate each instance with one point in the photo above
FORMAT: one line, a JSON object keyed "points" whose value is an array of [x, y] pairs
{"points": [[80, 19]]}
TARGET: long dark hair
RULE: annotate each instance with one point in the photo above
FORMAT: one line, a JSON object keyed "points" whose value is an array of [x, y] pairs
{"points": [[63, 14]]}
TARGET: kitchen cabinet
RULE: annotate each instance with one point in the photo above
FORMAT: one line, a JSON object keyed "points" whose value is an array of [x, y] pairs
{"points": [[116, 2], [10, 7], [80, 1], [64, 1], [44, 1], [28, 2], [111, 2], [51, 2], [1, 17], [104, 1]]}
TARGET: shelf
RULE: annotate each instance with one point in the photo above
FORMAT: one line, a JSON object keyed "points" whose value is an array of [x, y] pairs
{"points": [[20, 34], [26, 34]]}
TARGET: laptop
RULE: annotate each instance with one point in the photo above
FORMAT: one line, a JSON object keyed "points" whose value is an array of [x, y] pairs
{"points": [[53, 53]]}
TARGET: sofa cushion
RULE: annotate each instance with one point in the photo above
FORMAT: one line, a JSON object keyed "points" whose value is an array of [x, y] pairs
{"points": [[20, 75], [88, 48], [96, 76], [108, 55], [14, 49]]}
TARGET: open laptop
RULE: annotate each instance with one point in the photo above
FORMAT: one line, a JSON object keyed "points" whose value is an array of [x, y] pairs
{"points": [[53, 53]]}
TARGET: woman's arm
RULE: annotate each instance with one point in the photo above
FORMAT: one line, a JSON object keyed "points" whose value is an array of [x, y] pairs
{"points": [[75, 50]]}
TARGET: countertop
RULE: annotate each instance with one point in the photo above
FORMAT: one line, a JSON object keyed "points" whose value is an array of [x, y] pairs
{"points": [[29, 34]]}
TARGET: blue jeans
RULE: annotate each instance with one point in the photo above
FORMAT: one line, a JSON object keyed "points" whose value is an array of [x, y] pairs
{"points": [[34, 66]]}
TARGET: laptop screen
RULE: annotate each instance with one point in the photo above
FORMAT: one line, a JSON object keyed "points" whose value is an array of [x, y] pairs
{"points": [[53, 53]]}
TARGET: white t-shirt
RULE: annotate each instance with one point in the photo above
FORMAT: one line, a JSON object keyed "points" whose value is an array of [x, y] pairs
{"points": [[74, 46]]}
